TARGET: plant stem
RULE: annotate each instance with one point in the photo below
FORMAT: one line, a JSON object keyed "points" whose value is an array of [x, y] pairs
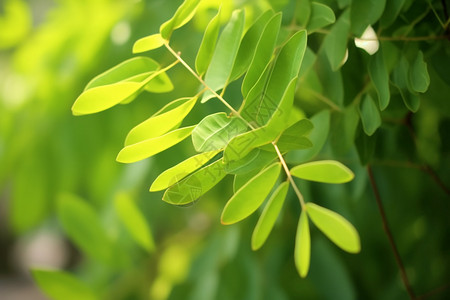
{"points": [[237, 114], [388, 232]]}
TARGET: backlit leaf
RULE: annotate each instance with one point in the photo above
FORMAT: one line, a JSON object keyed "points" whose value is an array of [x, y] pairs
{"points": [[224, 55], [214, 131], [250, 196], [150, 147], [184, 14], [370, 116], [302, 254], [256, 159], [59, 285], [380, 78], [418, 74], [294, 138], [321, 16], [328, 171], [133, 220], [192, 187], [269, 216], [161, 123], [208, 45], [148, 43], [335, 227], [176, 173]]}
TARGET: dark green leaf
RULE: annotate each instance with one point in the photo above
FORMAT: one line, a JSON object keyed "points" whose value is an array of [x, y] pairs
{"points": [[364, 13], [335, 43], [380, 78], [370, 116], [390, 14], [400, 77], [321, 16], [418, 74]]}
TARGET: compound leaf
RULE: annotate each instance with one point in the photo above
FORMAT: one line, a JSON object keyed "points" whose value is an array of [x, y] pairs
{"points": [[269, 216], [250, 196], [302, 254], [335, 227], [328, 171]]}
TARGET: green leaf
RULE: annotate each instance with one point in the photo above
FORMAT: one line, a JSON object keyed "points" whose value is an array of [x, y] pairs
{"points": [[380, 78], [241, 179], [390, 14], [248, 44], [184, 14], [134, 221], [318, 137], [192, 187], [224, 55], [148, 43], [418, 74], [208, 45], [364, 13], [328, 171], [370, 116], [335, 227], [242, 144], [401, 81], [161, 123], [263, 54], [256, 159], [302, 254], [332, 81], [321, 16], [335, 43], [82, 225], [59, 285], [176, 173], [214, 131], [249, 197], [269, 216], [294, 138], [303, 12], [150, 147]]}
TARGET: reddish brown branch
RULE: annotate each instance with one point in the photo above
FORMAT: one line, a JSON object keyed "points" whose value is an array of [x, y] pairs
{"points": [[388, 232], [437, 290]]}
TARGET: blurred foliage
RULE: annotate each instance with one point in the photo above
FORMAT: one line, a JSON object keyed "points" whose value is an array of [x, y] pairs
{"points": [[53, 164]]}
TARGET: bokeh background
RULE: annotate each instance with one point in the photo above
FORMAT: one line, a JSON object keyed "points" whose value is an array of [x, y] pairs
{"points": [[51, 49]]}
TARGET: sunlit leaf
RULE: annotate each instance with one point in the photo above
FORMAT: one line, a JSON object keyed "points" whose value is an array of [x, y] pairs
{"points": [[302, 254], [269, 216], [380, 78], [335, 43], [133, 220], [294, 138], [328, 171], [224, 55], [148, 43], [192, 187], [364, 13], [184, 14], [263, 53], [256, 159], [59, 285], [208, 45], [150, 147], [335, 227], [178, 172], [303, 12], [370, 116], [82, 225], [418, 74], [249, 197], [214, 131], [161, 123], [321, 16], [241, 179], [248, 44]]}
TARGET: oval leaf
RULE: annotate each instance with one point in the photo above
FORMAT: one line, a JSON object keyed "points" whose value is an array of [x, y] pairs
{"points": [[321, 16], [328, 171], [418, 74], [159, 124], [380, 78], [150, 147], [191, 188], [370, 116], [208, 44], [214, 131], [335, 43], [148, 43], [176, 173], [134, 221], [364, 13], [184, 14], [249, 197], [302, 254], [269, 216], [335, 227]]}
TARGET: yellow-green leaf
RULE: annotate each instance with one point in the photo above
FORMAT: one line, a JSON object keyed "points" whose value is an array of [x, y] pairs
{"points": [[328, 171], [173, 175], [150, 147], [302, 254], [335, 227], [148, 43], [161, 123], [134, 221], [208, 45], [184, 14], [250, 196], [269, 216]]}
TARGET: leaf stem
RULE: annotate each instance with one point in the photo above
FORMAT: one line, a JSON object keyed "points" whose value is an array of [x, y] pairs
{"points": [[388, 232], [237, 114]]}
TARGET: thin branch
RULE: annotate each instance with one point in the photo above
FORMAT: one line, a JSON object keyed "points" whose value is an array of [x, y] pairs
{"points": [[389, 235], [435, 291], [435, 177]]}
